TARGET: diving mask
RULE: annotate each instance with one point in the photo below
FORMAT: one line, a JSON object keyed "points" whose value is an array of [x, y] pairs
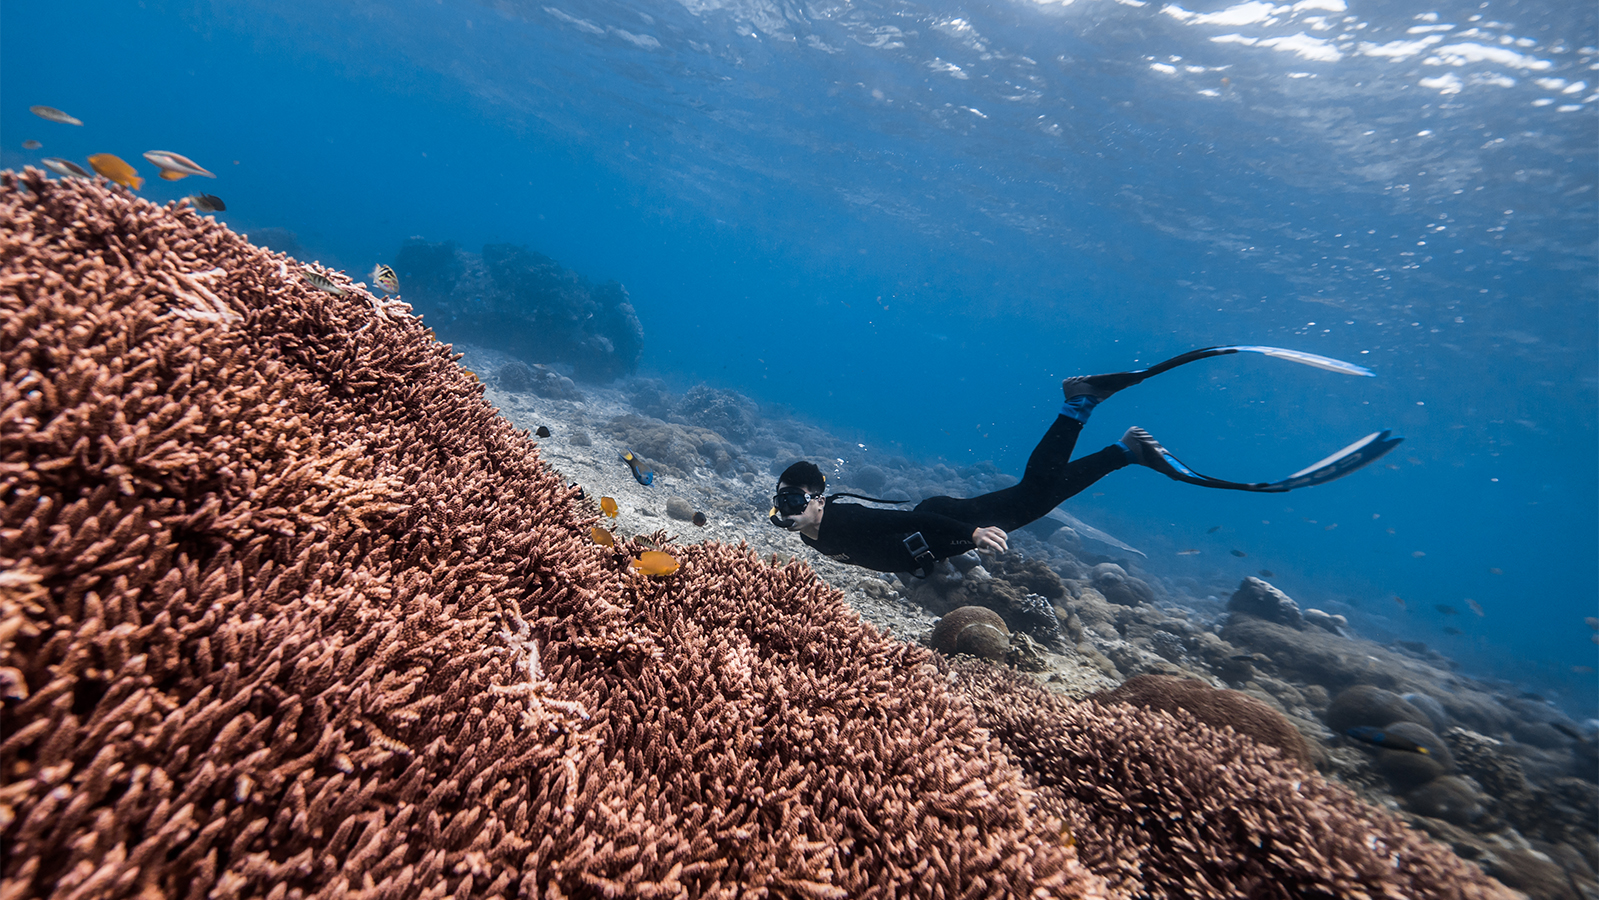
{"points": [[788, 503]]}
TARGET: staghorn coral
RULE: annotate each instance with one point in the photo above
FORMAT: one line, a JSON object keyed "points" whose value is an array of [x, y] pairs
{"points": [[288, 611], [1164, 806]]}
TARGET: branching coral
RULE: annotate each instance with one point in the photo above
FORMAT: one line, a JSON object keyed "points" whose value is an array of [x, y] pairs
{"points": [[287, 610], [1165, 806]]}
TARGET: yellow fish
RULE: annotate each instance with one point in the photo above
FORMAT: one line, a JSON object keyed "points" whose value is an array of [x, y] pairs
{"points": [[608, 506], [654, 562], [115, 169], [602, 537], [169, 175]]}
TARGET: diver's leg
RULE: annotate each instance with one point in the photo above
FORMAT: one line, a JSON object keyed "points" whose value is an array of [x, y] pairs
{"points": [[1049, 479]]}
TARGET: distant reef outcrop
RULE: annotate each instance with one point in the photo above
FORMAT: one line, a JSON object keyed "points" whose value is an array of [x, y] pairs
{"points": [[524, 303]]}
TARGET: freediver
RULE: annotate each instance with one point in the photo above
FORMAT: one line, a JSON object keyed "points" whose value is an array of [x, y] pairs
{"points": [[894, 540]]}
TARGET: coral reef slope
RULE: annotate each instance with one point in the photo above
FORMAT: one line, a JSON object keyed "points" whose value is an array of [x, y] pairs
{"points": [[289, 610]]}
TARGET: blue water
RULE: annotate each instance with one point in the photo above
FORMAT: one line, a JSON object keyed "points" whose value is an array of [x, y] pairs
{"points": [[908, 221]]}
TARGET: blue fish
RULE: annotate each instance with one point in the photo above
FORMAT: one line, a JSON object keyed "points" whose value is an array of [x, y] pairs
{"points": [[1383, 739], [643, 478]]}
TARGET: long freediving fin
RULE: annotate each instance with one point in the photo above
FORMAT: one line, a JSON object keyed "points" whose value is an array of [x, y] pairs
{"points": [[1323, 471], [1299, 356]]}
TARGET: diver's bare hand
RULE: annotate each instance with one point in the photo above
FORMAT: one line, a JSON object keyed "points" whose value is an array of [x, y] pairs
{"points": [[989, 538]]}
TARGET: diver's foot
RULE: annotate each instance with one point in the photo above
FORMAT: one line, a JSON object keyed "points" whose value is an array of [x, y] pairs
{"points": [[1145, 450], [1098, 386]]}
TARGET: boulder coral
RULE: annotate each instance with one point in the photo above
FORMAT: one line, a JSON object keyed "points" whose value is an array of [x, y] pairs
{"points": [[1217, 708], [287, 610]]}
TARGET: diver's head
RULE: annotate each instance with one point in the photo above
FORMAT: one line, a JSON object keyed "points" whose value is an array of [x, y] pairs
{"points": [[797, 502]]}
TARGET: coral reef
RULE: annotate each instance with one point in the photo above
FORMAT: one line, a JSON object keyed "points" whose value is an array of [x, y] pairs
{"points": [[973, 630], [1219, 709], [524, 303], [288, 610], [1163, 805], [725, 412]]}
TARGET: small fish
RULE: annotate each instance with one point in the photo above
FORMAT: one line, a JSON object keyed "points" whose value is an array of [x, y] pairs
{"points": [[31, 144], [1582, 670], [1451, 631], [208, 203], [1255, 658], [602, 537], [54, 115], [1330, 527], [1476, 609], [1383, 739], [654, 562], [1189, 552], [470, 374], [64, 167], [323, 283], [1447, 610], [643, 478], [541, 431], [1239, 553], [170, 175], [385, 278], [114, 168], [1399, 601], [1265, 573], [608, 506], [1213, 529], [1417, 554], [176, 162], [1592, 622], [1494, 571], [700, 519]]}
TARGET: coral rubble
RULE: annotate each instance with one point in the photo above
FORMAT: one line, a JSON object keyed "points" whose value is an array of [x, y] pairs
{"points": [[287, 610]]}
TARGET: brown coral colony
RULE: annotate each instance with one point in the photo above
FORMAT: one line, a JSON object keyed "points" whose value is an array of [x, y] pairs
{"points": [[287, 610]]}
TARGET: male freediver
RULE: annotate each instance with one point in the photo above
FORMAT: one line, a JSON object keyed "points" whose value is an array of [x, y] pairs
{"points": [[892, 540]]}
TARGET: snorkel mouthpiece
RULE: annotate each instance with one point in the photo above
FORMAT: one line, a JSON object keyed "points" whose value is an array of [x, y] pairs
{"points": [[787, 523]]}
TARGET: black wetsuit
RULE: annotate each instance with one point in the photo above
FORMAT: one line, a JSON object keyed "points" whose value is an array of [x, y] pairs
{"points": [[876, 538]]}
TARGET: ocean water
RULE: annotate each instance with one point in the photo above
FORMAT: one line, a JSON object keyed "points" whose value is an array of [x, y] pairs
{"points": [[908, 221]]}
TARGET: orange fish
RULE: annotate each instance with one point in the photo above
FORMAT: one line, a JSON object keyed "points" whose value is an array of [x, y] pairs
{"points": [[602, 537], [169, 175], [115, 169], [608, 506], [654, 562]]}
